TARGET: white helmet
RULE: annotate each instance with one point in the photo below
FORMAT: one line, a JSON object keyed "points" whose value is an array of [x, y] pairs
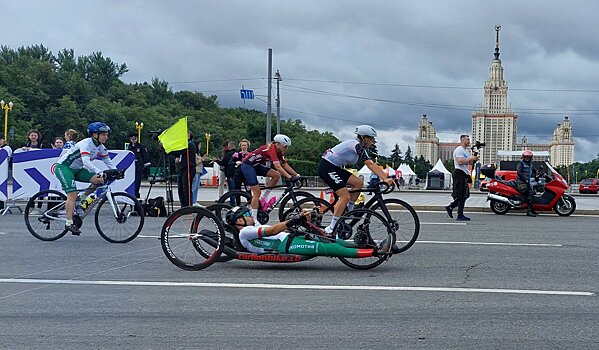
{"points": [[282, 139], [365, 130]]}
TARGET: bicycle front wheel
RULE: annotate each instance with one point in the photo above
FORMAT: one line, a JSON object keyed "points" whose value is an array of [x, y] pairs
{"points": [[368, 229], [403, 220], [45, 215], [192, 238], [236, 198], [121, 219]]}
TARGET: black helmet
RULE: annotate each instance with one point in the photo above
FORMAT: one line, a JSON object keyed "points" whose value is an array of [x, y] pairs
{"points": [[235, 213]]}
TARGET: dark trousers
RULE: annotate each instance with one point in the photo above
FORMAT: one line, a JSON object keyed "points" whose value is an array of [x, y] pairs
{"points": [[231, 187], [184, 185], [139, 171], [461, 192]]}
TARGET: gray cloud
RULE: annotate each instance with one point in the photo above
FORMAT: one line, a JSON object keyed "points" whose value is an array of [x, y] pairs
{"points": [[544, 46]]}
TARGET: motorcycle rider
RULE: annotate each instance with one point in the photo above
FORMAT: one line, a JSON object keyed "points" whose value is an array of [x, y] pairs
{"points": [[526, 171]]}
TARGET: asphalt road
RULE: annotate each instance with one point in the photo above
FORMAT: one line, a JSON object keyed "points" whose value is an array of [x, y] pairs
{"points": [[496, 282]]}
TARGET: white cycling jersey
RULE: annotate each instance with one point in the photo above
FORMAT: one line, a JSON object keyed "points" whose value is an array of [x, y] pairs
{"points": [[255, 234], [346, 153], [83, 152]]}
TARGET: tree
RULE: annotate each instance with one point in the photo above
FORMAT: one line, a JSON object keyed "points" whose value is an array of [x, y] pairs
{"points": [[422, 167], [396, 158], [408, 158]]}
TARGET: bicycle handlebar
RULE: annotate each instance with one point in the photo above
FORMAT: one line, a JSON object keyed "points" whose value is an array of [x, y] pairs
{"points": [[289, 185]]}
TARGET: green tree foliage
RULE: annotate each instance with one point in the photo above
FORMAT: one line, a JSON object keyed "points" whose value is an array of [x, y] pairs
{"points": [[396, 157], [422, 167], [408, 158]]}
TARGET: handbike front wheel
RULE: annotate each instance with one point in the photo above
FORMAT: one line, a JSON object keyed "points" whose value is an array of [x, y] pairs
{"points": [[369, 230], [122, 224], [45, 215], [404, 221], [187, 232]]}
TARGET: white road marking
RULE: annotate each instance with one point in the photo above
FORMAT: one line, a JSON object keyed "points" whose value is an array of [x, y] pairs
{"points": [[3, 233], [297, 287], [494, 243], [444, 223]]}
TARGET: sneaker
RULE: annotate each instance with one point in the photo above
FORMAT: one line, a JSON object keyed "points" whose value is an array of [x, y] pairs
{"points": [[384, 247], [328, 231], [449, 211], [463, 218], [74, 229]]}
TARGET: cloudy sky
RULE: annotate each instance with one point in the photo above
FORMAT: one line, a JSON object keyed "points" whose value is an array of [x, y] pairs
{"points": [[385, 63]]}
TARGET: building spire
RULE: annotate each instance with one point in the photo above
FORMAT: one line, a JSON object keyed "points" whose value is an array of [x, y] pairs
{"points": [[497, 29]]}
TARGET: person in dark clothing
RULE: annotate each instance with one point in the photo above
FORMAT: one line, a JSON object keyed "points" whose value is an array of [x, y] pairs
{"points": [[185, 163], [142, 160], [226, 166], [461, 178], [526, 171]]}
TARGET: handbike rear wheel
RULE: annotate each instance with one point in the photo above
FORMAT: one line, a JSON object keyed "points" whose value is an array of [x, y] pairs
{"points": [[127, 223], [45, 215], [404, 221], [188, 231], [367, 229]]}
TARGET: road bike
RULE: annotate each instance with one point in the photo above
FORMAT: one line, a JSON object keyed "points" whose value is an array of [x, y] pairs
{"points": [[400, 215], [290, 193], [119, 217], [194, 238]]}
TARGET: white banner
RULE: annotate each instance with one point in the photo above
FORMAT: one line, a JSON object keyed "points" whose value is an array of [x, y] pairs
{"points": [[5, 153], [33, 171]]}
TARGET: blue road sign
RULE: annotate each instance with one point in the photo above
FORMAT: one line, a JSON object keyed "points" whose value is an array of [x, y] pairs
{"points": [[247, 94]]}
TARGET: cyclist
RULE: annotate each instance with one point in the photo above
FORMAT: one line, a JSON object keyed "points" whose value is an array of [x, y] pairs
{"points": [[330, 169], [277, 237], [253, 166], [76, 165]]}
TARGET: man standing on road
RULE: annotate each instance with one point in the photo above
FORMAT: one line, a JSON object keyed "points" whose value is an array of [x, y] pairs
{"points": [[461, 178]]}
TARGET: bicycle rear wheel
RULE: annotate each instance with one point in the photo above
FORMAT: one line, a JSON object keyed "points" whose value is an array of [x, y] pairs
{"points": [[288, 202], [404, 221], [187, 232], [368, 229], [122, 224], [45, 215]]}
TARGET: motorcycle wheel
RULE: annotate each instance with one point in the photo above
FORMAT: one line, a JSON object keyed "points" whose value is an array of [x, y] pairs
{"points": [[499, 208], [565, 206]]}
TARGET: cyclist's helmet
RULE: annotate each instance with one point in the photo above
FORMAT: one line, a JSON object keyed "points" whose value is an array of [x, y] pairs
{"points": [[97, 127], [282, 139], [365, 130], [527, 153], [235, 213]]}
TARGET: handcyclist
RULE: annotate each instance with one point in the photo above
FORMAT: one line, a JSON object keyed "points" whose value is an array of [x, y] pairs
{"points": [[276, 237], [76, 165], [253, 166], [330, 170]]}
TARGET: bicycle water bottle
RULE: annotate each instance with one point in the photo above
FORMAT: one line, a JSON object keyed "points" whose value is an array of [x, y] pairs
{"points": [[85, 204]]}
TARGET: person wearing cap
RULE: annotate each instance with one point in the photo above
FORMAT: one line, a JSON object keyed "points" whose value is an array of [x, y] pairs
{"points": [[142, 160], [526, 171], [330, 170], [253, 165]]}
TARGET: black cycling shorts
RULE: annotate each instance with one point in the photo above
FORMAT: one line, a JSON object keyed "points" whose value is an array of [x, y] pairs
{"points": [[333, 175]]}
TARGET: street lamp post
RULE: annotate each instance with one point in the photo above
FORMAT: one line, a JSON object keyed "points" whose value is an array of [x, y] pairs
{"points": [[139, 126], [6, 107]]}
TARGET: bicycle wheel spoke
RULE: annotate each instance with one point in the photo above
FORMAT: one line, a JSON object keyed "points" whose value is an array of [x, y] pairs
{"points": [[124, 222], [45, 215]]}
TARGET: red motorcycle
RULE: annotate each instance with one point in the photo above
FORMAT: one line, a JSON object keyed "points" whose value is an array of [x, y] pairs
{"points": [[550, 192]]}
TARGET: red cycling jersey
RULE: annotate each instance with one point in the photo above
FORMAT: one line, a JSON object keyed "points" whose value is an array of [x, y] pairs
{"points": [[264, 154]]}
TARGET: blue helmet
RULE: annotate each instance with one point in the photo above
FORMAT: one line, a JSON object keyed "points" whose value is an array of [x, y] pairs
{"points": [[97, 127]]}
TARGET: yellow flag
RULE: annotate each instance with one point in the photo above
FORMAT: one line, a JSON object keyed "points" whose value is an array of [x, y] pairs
{"points": [[175, 137]]}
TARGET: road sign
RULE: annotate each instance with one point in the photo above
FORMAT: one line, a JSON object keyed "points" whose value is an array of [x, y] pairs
{"points": [[247, 94]]}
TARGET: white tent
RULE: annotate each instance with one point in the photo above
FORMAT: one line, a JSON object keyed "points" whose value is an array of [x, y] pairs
{"points": [[439, 167], [365, 173], [407, 173]]}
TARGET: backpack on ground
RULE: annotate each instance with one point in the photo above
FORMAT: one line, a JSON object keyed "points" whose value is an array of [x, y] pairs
{"points": [[155, 207]]}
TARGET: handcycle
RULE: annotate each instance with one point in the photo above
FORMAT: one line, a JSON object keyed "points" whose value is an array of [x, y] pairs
{"points": [[290, 193], [194, 238], [400, 215], [119, 217]]}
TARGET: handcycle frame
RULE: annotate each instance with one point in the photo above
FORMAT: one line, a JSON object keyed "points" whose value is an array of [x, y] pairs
{"points": [[104, 193], [290, 192]]}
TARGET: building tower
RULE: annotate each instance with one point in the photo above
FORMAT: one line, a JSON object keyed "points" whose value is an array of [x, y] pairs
{"points": [[495, 124], [561, 148], [427, 142]]}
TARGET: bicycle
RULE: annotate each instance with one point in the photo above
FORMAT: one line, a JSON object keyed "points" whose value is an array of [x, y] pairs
{"points": [[290, 193], [400, 215], [194, 238], [124, 211]]}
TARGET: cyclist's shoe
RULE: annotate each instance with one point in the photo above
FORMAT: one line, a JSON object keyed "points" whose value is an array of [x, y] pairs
{"points": [[384, 247], [329, 232], [73, 229]]}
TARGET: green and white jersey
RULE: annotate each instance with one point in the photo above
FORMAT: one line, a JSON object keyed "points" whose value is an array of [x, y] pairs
{"points": [[83, 152]]}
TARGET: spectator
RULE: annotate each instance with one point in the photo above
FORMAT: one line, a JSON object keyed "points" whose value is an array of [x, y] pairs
{"points": [[34, 140], [185, 163], [195, 186], [58, 143], [2, 141], [461, 178], [229, 169], [71, 137], [142, 160]]}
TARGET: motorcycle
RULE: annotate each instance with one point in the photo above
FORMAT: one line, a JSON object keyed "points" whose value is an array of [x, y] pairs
{"points": [[550, 192]]}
